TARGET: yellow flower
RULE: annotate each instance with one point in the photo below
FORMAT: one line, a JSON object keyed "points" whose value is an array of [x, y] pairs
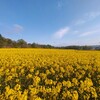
{"points": [[17, 87], [29, 76]]}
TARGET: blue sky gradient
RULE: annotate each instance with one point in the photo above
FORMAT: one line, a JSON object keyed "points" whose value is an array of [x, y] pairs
{"points": [[55, 22]]}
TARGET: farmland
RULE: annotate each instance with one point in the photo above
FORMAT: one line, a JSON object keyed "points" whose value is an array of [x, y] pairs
{"points": [[49, 74]]}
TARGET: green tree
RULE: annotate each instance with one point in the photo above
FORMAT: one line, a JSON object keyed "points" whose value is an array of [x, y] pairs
{"points": [[21, 43]]}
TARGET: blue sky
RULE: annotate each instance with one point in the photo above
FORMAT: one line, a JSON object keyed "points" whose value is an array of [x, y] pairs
{"points": [[56, 22]]}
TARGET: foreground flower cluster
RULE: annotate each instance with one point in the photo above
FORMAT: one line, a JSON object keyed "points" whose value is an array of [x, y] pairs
{"points": [[49, 74]]}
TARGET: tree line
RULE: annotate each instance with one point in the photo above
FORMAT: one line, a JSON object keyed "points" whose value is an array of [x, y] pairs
{"points": [[8, 43]]}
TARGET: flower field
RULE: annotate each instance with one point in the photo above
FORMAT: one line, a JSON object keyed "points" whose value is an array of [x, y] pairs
{"points": [[49, 74]]}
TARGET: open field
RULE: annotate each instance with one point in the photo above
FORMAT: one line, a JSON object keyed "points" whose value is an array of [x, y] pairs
{"points": [[49, 74]]}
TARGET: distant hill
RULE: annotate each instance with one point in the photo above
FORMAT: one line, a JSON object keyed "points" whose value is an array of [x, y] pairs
{"points": [[8, 43], [97, 47]]}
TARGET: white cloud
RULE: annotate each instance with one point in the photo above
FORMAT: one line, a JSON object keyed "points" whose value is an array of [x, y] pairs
{"points": [[76, 31], [92, 15], [89, 33], [61, 33], [59, 5], [86, 33], [80, 21], [87, 17], [17, 28]]}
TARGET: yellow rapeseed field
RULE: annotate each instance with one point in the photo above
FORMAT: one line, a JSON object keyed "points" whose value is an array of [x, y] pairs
{"points": [[49, 74]]}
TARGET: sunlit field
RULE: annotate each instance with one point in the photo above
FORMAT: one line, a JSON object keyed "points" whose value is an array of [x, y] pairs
{"points": [[49, 74]]}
